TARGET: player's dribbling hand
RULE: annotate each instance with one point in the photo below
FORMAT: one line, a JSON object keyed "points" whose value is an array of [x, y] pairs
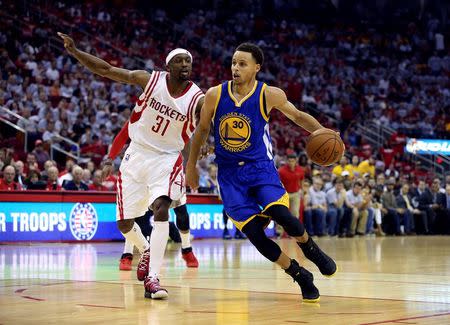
{"points": [[69, 44], [107, 168], [192, 177]]}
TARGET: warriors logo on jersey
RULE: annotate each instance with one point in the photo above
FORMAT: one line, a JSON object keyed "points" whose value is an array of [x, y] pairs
{"points": [[235, 132], [243, 132]]}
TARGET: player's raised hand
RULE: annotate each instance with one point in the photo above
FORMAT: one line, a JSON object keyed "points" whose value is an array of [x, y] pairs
{"points": [[107, 168], [192, 176], [69, 44]]}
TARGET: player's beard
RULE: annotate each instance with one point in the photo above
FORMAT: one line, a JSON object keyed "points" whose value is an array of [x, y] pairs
{"points": [[184, 76]]}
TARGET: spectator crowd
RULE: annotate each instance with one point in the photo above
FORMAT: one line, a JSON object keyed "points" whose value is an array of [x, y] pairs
{"points": [[348, 72]]}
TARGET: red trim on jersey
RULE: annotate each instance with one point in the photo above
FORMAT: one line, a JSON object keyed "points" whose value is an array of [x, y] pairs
{"points": [[194, 106], [174, 178], [184, 91], [119, 142], [175, 171], [184, 134], [119, 196], [152, 78], [135, 116]]}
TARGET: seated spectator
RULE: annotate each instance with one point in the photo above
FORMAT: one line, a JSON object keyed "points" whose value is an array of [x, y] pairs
{"points": [[447, 207], [305, 200], [6, 157], [423, 201], [315, 220], [353, 167], [367, 212], [97, 182], [87, 177], [346, 180], [66, 174], [404, 201], [352, 219], [343, 166], [327, 181], [20, 175], [31, 163], [335, 205], [51, 136], [392, 171], [390, 210], [34, 181], [438, 206], [52, 179], [7, 182], [76, 184], [213, 185], [40, 153], [47, 165], [367, 166]]}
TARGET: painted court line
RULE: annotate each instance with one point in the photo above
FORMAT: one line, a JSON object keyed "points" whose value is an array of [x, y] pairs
{"points": [[407, 318], [100, 306]]}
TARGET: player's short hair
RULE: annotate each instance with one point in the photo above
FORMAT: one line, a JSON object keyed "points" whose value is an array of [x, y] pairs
{"points": [[254, 49]]}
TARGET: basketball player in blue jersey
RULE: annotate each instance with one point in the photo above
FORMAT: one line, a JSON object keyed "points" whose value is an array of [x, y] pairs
{"points": [[249, 183]]}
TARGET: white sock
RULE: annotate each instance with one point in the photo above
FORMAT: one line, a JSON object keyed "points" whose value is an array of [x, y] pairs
{"points": [[185, 239], [158, 242], [136, 238], [128, 247]]}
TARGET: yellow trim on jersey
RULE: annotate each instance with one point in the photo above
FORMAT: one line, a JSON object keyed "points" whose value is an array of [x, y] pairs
{"points": [[240, 224], [219, 94], [284, 200], [239, 104], [261, 104]]}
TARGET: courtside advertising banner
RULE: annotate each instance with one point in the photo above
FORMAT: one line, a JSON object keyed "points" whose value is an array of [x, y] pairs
{"points": [[71, 221], [428, 146]]}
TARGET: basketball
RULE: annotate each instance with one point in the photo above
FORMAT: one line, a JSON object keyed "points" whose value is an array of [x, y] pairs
{"points": [[324, 147]]}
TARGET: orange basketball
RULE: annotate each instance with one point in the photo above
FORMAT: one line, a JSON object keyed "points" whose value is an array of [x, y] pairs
{"points": [[324, 147]]}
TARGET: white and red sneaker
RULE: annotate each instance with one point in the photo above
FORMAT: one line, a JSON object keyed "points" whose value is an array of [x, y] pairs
{"points": [[143, 265], [153, 289]]}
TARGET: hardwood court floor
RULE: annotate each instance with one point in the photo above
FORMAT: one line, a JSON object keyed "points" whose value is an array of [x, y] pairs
{"points": [[393, 280]]}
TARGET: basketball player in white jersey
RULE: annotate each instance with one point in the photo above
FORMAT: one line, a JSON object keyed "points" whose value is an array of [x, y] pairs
{"points": [[182, 215], [151, 172]]}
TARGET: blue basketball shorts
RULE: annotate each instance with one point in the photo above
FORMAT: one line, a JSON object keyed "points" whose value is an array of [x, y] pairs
{"points": [[248, 190]]}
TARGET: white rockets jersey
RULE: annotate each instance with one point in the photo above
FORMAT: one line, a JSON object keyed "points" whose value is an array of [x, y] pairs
{"points": [[161, 122]]}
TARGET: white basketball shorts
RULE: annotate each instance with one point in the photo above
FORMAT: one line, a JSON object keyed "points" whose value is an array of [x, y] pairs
{"points": [[146, 175]]}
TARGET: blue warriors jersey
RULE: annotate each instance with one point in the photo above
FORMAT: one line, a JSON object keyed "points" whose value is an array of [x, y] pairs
{"points": [[249, 182], [241, 128]]}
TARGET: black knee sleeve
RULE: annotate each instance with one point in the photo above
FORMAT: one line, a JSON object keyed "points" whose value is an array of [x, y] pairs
{"points": [[281, 215], [174, 234], [182, 217], [254, 231], [144, 223]]}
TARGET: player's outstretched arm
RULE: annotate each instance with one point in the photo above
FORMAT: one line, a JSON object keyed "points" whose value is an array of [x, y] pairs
{"points": [[276, 98], [200, 137], [103, 68]]}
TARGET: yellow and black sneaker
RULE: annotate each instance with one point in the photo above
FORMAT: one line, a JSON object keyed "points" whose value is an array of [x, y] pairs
{"points": [[313, 252], [305, 280]]}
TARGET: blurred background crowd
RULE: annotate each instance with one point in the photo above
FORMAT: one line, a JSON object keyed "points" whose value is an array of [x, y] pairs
{"points": [[355, 65]]}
